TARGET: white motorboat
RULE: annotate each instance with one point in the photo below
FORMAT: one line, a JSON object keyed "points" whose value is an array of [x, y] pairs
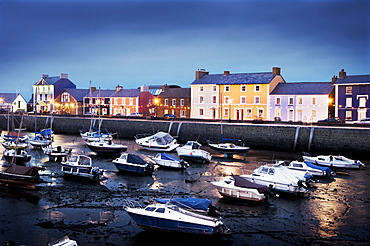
{"points": [[133, 163], [13, 144], [311, 168], [104, 147], [81, 166], [228, 148], [40, 141], [65, 241], [167, 160], [17, 156], [173, 218], [281, 179], [333, 161], [161, 141], [191, 152], [57, 153], [240, 188]]}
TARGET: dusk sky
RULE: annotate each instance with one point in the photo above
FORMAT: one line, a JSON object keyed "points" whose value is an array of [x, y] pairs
{"points": [[132, 43]]}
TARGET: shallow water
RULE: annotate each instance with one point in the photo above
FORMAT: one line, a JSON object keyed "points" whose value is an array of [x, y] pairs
{"points": [[336, 211]]}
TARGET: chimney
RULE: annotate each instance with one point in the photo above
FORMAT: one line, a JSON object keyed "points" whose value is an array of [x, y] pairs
{"points": [[164, 87], [93, 89], [226, 73], [118, 88], [276, 70], [144, 88], [44, 76], [342, 74], [64, 75], [334, 79], [200, 73]]}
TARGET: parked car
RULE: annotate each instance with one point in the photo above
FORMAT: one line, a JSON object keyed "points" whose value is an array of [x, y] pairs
{"points": [[362, 121], [169, 116], [136, 114], [331, 120]]}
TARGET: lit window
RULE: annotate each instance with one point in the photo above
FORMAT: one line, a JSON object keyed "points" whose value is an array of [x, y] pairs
{"points": [[348, 102], [300, 100], [348, 90]]}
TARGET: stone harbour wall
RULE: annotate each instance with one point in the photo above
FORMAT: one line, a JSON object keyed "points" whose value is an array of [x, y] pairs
{"points": [[279, 137]]}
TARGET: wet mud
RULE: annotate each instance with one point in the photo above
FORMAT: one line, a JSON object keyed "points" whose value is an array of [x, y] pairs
{"points": [[336, 211]]}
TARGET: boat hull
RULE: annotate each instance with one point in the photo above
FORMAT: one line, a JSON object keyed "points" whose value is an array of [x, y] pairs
{"points": [[23, 181], [81, 173], [238, 192], [132, 168]]}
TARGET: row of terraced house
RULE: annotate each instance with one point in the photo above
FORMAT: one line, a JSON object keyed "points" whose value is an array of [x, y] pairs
{"points": [[232, 96]]}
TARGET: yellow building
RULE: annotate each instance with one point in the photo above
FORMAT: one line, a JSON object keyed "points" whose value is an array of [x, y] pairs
{"points": [[239, 96]]}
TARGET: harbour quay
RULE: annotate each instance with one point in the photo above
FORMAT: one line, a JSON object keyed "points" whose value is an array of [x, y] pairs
{"points": [[314, 139]]}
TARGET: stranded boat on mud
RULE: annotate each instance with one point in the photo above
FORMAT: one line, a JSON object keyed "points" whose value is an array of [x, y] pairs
{"points": [[134, 164], [161, 141], [173, 217], [167, 160], [333, 161], [80, 166], [191, 152]]}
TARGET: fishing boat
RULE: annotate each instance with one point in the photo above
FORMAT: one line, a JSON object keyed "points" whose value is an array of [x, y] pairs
{"points": [[333, 161], [161, 141], [81, 166], [20, 176], [315, 170], [281, 179], [133, 163], [167, 160], [57, 153], [240, 188], [104, 147], [172, 217], [17, 156], [191, 152]]}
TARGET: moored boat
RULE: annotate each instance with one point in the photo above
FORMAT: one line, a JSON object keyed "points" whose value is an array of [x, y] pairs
{"points": [[240, 188], [173, 218], [103, 147], [133, 163], [167, 160], [191, 152], [333, 161], [20, 176], [161, 141], [17, 156], [81, 166], [315, 170], [57, 153]]}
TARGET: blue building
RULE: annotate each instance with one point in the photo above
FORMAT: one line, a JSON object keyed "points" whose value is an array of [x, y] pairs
{"points": [[352, 96]]}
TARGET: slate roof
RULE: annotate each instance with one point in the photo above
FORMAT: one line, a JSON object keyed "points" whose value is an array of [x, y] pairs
{"points": [[127, 93], [78, 94], [303, 88], [354, 79], [8, 97], [235, 78], [49, 80], [101, 93], [176, 93]]}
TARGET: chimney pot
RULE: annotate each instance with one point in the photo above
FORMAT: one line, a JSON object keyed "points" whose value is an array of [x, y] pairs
{"points": [[64, 75], [342, 74], [276, 70], [226, 73], [200, 73]]}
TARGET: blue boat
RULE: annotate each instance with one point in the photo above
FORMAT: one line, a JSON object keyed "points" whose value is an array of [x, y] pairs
{"points": [[134, 164], [169, 161], [174, 218]]}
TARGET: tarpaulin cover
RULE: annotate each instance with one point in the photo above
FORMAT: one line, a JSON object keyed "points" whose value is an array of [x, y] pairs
{"points": [[132, 158], [169, 157], [192, 202], [241, 182], [326, 169], [23, 170]]}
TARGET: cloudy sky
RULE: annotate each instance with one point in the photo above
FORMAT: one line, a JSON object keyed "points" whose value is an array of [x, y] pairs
{"points": [[137, 42]]}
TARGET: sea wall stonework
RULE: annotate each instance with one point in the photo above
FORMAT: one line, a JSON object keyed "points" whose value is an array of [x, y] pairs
{"points": [[280, 137]]}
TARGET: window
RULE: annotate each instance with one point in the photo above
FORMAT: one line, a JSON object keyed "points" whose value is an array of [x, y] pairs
{"points": [[226, 100], [348, 90], [182, 102], [160, 210], [214, 88], [257, 88], [300, 100], [131, 101], [348, 115], [106, 100], [173, 102], [314, 101], [226, 112], [227, 88], [313, 114], [291, 101], [277, 101], [115, 100], [256, 100], [260, 113], [348, 102], [182, 113], [277, 112], [201, 111], [243, 88], [249, 112], [165, 102], [201, 99], [290, 114], [243, 100], [362, 103], [201, 88], [65, 97], [214, 99]]}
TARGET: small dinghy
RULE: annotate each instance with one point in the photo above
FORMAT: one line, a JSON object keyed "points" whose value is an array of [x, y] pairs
{"points": [[167, 160]]}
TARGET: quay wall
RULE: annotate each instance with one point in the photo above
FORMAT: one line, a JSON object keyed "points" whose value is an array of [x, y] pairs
{"points": [[279, 137]]}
